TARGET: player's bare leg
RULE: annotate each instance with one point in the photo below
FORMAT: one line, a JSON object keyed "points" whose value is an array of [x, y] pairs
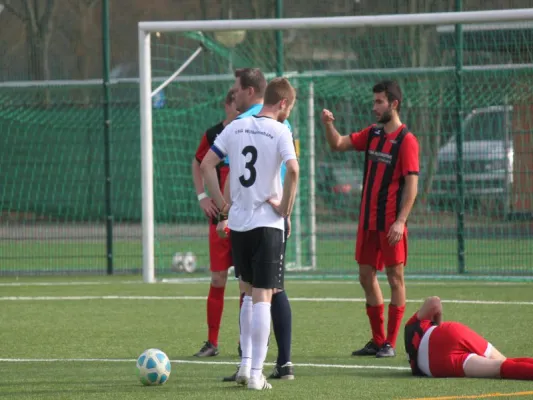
{"points": [[396, 309], [481, 367], [260, 331], [496, 365], [215, 307], [374, 308], [496, 355]]}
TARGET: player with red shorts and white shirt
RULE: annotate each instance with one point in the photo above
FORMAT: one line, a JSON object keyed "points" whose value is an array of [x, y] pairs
{"points": [[390, 181], [453, 350]]}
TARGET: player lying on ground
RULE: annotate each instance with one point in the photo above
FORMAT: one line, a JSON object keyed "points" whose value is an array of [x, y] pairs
{"points": [[453, 350], [390, 181], [220, 259]]}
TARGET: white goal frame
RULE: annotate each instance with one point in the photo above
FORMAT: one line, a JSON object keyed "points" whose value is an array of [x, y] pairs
{"points": [[145, 75]]}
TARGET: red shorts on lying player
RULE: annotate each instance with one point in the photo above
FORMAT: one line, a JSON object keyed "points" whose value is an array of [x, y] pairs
{"points": [[445, 349], [220, 258], [442, 350], [373, 248]]}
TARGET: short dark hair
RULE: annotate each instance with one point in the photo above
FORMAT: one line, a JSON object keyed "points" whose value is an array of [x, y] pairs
{"points": [[230, 96], [392, 91], [252, 77], [278, 89]]}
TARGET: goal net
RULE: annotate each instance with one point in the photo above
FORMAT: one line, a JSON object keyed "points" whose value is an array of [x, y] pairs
{"points": [[465, 80]]}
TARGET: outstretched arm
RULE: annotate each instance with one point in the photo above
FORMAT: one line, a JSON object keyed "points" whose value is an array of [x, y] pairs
{"points": [[336, 141], [431, 309]]}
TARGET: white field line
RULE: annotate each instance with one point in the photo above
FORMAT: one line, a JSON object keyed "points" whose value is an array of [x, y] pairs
{"points": [[293, 299], [125, 360], [202, 281]]}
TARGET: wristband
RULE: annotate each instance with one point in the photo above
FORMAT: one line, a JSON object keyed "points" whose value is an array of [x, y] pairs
{"points": [[222, 217], [202, 196]]}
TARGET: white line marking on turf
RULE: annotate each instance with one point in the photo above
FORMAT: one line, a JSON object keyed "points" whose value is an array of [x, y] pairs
{"points": [[202, 281], [80, 283], [124, 360], [293, 299]]}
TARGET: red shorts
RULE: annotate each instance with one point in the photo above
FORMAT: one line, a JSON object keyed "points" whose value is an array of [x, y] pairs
{"points": [[445, 349], [373, 248], [220, 258]]}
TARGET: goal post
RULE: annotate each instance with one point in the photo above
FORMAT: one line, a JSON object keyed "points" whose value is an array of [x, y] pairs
{"points": [[334, 76]]}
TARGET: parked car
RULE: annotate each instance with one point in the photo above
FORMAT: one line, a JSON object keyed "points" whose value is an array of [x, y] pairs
{"points": [[339, 185], [487, 162]]}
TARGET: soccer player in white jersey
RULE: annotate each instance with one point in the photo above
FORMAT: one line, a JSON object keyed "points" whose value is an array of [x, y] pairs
{"points": [[256, 147], [249, 92]]}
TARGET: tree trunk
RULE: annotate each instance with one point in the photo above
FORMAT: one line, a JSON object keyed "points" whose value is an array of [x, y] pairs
{"points": [[36, 60], [435, 139], [38, 19]]}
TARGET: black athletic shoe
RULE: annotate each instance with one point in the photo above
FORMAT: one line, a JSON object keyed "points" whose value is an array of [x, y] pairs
{"points": [[231, 378], [285, 372], [370, 349], [386, 351], [207, 350]]}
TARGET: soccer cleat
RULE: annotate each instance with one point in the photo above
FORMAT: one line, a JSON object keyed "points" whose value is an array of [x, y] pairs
{"points": [[231, 378], [386, 351], [207, 350], [243, 375], [370, 349], [259, 383], [285, 372]]}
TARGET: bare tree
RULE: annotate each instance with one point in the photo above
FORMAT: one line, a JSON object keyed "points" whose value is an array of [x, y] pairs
{"points": [[422, 45], [81, 35], [37, 17]]}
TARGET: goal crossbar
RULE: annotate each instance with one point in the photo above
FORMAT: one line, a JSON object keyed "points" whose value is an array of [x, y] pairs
{"points": [[463, 17]]}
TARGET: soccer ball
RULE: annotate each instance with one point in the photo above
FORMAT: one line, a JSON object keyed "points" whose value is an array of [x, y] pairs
{"points": [[189, 262], [184, 262], [177, 262], [153, 367]]}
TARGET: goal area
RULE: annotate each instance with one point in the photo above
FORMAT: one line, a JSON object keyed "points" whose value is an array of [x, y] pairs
{"points": [[465, 78]]}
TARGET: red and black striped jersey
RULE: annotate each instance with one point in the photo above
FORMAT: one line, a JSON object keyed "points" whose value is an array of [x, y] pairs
{"points": [[389, 158], [205, 144], [414, 330]]}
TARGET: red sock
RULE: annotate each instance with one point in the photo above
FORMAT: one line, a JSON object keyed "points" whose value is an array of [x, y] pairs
{"points": [[215, 306], [377, 324], [527, 360], [394, 323], [512, 369]]}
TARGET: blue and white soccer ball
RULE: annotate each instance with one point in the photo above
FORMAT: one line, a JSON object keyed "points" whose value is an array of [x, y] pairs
{"points": [[153, 367]]}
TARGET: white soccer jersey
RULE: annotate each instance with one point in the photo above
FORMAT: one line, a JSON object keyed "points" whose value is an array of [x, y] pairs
{"points": [[256, 147]]}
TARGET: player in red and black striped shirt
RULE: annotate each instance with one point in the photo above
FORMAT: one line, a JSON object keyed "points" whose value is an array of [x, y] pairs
{"points": [[220, 258], [390, 181]]}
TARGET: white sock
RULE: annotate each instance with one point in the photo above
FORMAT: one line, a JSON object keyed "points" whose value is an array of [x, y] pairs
{"points": [[246, 331], [260, 334]]}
